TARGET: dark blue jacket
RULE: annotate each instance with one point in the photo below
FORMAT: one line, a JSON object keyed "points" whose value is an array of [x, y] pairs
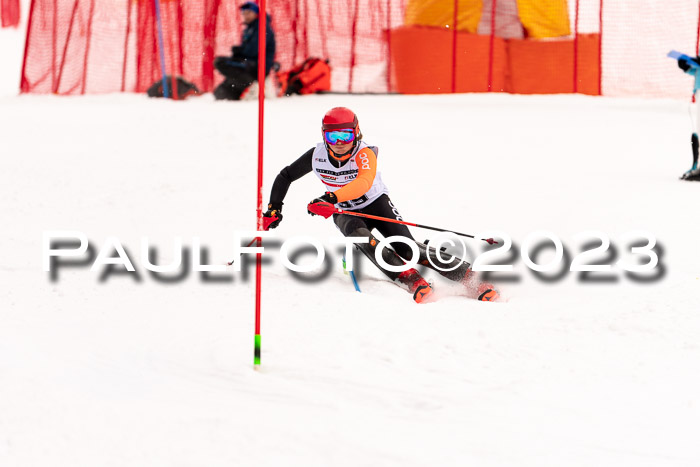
{"points": [[248, 50]]}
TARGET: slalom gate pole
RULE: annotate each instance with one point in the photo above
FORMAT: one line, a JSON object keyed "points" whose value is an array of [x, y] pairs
{"points": [[163, 71], [490, 241], [262, 47], [352, 276]]}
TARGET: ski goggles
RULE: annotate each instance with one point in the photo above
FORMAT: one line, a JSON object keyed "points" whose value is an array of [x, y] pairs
{"points": [[339, 136]]}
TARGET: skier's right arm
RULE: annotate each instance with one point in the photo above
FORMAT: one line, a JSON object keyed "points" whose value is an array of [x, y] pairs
{"points": [[291, 173]]}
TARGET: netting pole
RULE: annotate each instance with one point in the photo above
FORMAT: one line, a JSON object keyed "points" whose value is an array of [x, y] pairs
{"points": [[322, 33], [87, 47], [54, 40], [388, 45], [492, 43], [126, 43], [600, 49], [57, 83], [352, 47], [306, 28], [454, 46], [180, 36], [295, 22], [171, 62], [23, 82], [697, 35], [163, 70], [576, 47], [209, 46], [697, 44], [262, 47]]}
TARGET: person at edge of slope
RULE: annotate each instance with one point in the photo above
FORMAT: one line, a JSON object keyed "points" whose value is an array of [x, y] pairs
{"points": [[691, 65], [347, 166]]}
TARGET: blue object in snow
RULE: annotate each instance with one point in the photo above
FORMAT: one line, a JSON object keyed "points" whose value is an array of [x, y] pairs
{"points": [[352, 276]]}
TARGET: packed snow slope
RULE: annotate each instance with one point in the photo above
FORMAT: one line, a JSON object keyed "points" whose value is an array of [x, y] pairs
{"points": [[112, 368]]}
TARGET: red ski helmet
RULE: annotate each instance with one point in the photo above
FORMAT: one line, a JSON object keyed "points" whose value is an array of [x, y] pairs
{"points": [[340, 118]]}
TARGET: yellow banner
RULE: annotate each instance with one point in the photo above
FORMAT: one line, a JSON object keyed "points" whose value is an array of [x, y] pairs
{"points": [[540, 18], [440, 13], [544, 18]]}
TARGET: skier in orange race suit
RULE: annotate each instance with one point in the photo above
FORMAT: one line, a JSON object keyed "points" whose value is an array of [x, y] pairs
{"points": [[347, 166]]}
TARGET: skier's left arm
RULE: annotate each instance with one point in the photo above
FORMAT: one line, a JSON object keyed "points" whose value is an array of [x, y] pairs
{"points": [[366, 161]]}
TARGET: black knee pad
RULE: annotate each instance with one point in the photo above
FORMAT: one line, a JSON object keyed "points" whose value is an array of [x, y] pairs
{"points": [[359, 231], [349, 225]]}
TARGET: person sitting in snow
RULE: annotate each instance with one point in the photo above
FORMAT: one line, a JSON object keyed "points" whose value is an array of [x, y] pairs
{"points": [[692, 69], [347, 166], [241, 68]]}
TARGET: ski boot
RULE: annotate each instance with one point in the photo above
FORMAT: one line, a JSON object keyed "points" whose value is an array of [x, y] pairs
{"points": [[485, 291], [418, 286]]}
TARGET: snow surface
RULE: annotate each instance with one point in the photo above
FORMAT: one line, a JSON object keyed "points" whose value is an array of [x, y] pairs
{"points": [[127, 372]]}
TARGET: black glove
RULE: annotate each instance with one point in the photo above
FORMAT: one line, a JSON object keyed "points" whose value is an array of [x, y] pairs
{"points": [[236, 51], [323, 206], [273, 216]]}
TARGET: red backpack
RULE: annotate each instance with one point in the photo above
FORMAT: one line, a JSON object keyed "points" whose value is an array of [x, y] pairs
{"points": [[314, 75]]}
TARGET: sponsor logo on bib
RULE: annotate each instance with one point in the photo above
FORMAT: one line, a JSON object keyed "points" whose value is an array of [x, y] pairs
{"points": [[364, 160]]}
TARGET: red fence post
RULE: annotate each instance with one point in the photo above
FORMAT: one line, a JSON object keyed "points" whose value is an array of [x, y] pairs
{"points": [[56, 84], [180, 35], [87, 46], [600, 49], [576, 47], [492, 43], [54, 45], [23, 82], [697, 35], [126, 43], [354, 41], [454, 46], [306, 29], [388, 45]]}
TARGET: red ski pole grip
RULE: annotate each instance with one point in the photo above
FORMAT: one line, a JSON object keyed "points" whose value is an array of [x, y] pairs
{"points": [[321, 208]]}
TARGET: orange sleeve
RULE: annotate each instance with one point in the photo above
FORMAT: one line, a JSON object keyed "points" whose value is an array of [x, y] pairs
{"points": [[366, 160]]}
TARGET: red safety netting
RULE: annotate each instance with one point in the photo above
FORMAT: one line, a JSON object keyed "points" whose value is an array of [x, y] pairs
{"points": [[636, 38], [96, 46], [91, 46], [9, 13]]}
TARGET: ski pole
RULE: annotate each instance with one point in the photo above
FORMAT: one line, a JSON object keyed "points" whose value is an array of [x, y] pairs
{"points": [[352, 276], [490, 241], [251, 242]]}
